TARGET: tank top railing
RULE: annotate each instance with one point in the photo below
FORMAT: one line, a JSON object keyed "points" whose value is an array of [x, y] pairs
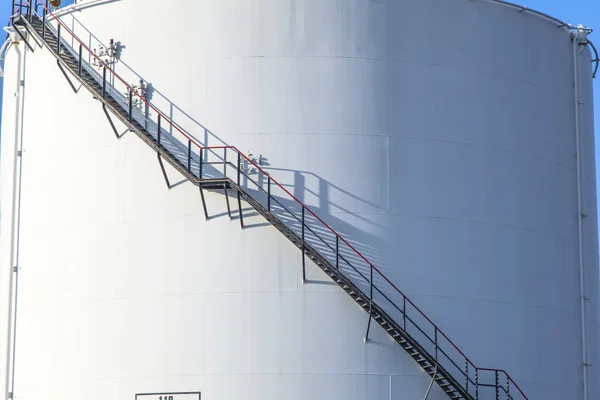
{"points": [[206, 162]]}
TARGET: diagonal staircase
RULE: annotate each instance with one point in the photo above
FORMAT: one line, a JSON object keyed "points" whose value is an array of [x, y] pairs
{"points": [[447, 366]]}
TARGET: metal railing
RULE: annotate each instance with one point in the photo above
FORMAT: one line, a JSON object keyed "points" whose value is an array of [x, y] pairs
{"points": [[540, 14], [205, 162]]}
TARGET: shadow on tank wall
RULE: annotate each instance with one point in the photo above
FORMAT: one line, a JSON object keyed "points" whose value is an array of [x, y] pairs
{"points": [[374, 248], [289, 212], [358, 255]]}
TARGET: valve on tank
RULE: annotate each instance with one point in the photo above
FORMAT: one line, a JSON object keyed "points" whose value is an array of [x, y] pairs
{"points": [[141, 88], [108, 54], [112, 49]]}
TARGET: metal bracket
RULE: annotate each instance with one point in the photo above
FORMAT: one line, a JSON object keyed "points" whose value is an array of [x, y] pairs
{"points": [[204, 203], [596, 60], [110, 121], [366, 339], [370, 304], [240, 208], [435, 372], [227, 200], [162, 167], [66, 76], [15, 269]]}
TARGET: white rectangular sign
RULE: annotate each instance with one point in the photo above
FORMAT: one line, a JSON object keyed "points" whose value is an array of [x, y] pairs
{"points": [[168, 396]]}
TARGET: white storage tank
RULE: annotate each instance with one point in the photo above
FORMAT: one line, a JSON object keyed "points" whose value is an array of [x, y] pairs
{"points": [[450, 142]]}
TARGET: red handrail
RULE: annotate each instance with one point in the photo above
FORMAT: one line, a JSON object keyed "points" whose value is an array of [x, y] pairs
{"points": [[201, 147]]}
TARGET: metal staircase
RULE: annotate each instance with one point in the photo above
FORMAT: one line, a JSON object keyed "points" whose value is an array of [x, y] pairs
{"points": [[226, 168]]}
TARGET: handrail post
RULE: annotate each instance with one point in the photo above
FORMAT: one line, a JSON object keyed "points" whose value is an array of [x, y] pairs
{"points": [[269, 193], [130, 104], [497, 386], [404, 313], [80, 65], [337, 252], [370, 301], [189, 157], [44, 13], [158, 131], [467, 375], [104, 82], [476, 383], [58, 40], [29, 9], [303, 256], [201, 163], [371, 291], [225, 162], [239, 168], [436, 344]]}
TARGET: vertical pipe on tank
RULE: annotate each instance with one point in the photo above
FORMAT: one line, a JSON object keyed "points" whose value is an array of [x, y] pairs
{"points": [[576, 41], [3, 51], [9, 378]]}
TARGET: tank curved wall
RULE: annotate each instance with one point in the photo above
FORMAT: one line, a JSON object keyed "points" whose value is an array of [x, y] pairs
{"points": [[446, 153]]}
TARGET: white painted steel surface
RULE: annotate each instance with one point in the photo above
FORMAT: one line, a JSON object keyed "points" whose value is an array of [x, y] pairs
{"points": [[446, 155]]}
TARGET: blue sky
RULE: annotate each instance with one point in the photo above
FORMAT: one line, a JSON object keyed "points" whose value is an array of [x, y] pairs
{"points": [[586, 12]]}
